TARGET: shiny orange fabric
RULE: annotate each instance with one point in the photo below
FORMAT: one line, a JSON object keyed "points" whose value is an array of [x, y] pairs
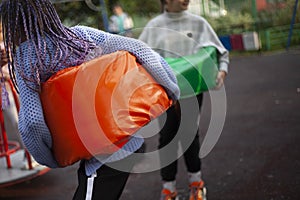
{"points": [[94, 108]]}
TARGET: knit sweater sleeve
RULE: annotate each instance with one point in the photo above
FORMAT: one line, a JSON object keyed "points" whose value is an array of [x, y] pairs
{"points": [[33, 129], [210, 38], [150, 60]]}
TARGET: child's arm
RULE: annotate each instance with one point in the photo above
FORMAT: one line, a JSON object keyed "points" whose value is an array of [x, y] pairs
{"points": [[33, 129]]}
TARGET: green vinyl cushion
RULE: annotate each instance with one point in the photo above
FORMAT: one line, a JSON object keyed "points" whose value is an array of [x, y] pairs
{"points": [[195, 73]]}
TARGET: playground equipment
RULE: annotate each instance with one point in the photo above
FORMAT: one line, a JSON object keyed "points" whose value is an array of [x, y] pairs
{"points": [[16, 164]]}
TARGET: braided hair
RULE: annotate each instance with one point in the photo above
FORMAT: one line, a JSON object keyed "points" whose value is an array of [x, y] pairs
{"points": [[37, 21]]}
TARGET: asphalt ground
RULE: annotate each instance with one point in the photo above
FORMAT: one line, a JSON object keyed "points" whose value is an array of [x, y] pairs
{"points": [[257, 155]]}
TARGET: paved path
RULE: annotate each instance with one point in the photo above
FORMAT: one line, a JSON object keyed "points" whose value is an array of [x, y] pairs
{"points": [[256, 157]]}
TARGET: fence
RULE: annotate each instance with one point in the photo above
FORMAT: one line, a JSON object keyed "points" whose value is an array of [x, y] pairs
{"points": [[268, 39], [277, 37]]}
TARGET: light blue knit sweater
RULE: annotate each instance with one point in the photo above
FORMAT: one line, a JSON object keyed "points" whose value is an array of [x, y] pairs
{"points": [[33, 129]]}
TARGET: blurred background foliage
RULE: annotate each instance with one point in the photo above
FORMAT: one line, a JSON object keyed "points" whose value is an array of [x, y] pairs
{"points": [[88, 12], [239, 17]]}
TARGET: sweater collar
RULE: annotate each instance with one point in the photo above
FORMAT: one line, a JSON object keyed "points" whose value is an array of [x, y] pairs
{"points": [[175, 15]]}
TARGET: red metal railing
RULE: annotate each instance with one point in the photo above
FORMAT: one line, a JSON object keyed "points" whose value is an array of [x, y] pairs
{"points": [[9, 147]]}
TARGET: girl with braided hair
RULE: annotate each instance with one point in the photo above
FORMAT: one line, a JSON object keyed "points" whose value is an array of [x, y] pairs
{"points": [[39, 45]]}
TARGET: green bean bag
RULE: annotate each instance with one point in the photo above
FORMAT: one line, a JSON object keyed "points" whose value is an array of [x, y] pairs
{"points": [[195, 73]]}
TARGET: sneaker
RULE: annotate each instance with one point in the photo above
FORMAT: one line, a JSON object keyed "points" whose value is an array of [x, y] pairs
{"points": [[168, 195], [197, 191]]}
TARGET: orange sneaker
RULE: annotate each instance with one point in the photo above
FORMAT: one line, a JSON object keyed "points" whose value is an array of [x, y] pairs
{"points": [[197, 191], [168, 195]]}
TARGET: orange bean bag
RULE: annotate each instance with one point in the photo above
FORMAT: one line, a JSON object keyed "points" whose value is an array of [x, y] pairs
{"points": [[94, 109]]}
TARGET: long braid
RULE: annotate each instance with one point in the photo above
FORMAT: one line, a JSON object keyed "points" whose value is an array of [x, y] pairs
{"points": [[28, 34], [37, 21], [8, 39]]}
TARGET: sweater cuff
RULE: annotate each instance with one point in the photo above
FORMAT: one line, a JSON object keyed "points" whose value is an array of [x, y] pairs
{"points": [[223, 67]]}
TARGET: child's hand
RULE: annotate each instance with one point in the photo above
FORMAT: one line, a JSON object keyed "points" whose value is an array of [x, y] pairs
{"points": [[220, 79]]}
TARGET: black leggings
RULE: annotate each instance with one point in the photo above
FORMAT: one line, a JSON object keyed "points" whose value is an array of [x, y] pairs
{"points": [[184, 115], [109, 183]]}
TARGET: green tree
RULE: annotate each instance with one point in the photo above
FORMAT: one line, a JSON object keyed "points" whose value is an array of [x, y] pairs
{"points": [[78, 12], [89, 12], [278, 14], [138, 7]]}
